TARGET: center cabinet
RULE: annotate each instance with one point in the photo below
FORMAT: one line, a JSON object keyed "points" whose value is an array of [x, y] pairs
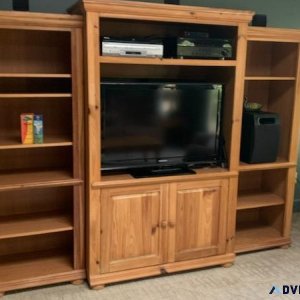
{"points": [[152, 225], [141, 227]]}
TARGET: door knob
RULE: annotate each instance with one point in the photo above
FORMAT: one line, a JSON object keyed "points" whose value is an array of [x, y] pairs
{"points": [[164, 224]]}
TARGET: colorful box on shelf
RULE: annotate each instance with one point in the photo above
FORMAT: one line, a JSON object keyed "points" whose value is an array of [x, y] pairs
{"points": [[38, 129], [27, 128], [32, 128]]}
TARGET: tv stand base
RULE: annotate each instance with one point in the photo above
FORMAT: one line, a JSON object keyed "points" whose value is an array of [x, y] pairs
{"points": [[164, 171]]}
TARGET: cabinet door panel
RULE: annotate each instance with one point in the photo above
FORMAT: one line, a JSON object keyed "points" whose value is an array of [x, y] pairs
{"points": [[131, 228], [197, 220]]}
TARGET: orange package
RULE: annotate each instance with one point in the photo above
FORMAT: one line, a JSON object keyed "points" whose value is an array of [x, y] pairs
{"points": [[27, 128]]}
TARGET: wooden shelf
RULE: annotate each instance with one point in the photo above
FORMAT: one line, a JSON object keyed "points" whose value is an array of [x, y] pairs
{"points": [[167, 61], [254, 199], [21, 179], [255, 236], [26, 266], [34, 224], [33, 95], [279, 164], [267, 78], [128, 180], [33, 75], [14, 143]]}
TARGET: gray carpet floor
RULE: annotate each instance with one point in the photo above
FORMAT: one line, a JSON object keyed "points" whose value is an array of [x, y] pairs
{"points": [[252, 277]]}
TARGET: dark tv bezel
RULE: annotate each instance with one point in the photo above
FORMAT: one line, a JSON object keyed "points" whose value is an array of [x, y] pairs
{"points": [[217, 159]]}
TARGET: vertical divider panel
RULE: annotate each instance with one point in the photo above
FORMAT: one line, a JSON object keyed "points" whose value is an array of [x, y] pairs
{"points": [[293, 153], [288, 213], [78, 146], [238, 98], [93, 96], [235, 141]]}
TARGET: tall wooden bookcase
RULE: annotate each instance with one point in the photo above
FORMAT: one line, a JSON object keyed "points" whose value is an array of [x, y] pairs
{"points": [[41, 185], [266, 191]]}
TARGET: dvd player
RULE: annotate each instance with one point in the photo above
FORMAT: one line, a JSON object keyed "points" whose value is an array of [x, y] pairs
{"points": [[132, 48]]}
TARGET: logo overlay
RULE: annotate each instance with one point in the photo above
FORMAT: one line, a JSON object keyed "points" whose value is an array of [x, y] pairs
{"points": [[285, 290]]}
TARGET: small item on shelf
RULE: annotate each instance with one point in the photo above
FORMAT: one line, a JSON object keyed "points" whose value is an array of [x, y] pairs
{"points": [[260, 137], [252, 106], [38, 127], [150, 47], [27, 128]]}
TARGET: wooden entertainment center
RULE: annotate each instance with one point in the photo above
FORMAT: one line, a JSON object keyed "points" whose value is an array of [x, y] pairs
{"points": [[151, 226], [135, 227]]}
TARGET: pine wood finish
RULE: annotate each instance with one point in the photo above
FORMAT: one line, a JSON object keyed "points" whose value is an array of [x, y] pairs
{"points": [[266, 191], [151, 226], [197, 219], [134, 235], [41, 186]]}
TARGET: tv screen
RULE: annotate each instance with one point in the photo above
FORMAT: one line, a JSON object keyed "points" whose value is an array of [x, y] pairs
{"points": [[160, 124]]}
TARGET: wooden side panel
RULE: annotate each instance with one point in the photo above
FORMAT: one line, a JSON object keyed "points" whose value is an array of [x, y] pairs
{"points": [[93, 156], [78, 147], [237, 105], [294, 137], [288, 214], [197, 219], [231, 214], [131, 228]]}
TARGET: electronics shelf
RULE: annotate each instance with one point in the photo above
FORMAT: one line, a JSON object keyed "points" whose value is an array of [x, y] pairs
{"points": [[254, 199], [166, 61], [41, 185], [128, 180], [34, 224]]}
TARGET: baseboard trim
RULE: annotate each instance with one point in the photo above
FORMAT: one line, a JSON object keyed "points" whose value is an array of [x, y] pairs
{"points": [[102, 279]]}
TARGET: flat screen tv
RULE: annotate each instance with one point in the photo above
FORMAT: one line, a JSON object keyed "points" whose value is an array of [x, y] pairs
{"points": [[160, 125]]}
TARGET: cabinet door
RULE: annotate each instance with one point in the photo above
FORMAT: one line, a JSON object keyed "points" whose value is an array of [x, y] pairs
{"points": [[197, 219], [133, 226]]}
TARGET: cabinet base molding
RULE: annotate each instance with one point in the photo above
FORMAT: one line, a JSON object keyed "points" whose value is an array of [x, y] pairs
{"points": [[97, 280], [77, 275], [77, 282]]}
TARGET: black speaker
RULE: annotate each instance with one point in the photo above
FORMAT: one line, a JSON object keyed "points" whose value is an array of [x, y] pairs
{"points": [[22, 5], [260, 137], [259, 20], [172, 2]]}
